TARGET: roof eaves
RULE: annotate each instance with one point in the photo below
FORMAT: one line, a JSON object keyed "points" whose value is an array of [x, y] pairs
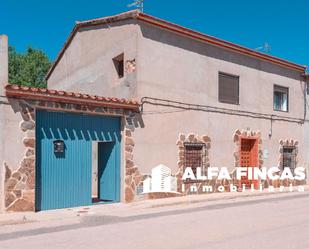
{"points": [[33, 93], [218, 42]]}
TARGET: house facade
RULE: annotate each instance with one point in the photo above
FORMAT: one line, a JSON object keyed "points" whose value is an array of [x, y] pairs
{"points": [[180, 98], [193, 88]]}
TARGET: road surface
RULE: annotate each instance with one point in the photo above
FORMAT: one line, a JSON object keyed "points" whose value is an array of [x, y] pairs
{"points": [[276, 223]]}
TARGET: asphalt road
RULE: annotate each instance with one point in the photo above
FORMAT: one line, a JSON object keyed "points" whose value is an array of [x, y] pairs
{"points": [[277, 223]]}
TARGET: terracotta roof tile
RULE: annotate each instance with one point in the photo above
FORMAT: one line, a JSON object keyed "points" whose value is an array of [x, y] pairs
{"points": [[70, 97]]}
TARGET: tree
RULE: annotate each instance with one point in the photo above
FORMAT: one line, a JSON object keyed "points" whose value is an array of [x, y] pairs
{"points": [[28, 69]]}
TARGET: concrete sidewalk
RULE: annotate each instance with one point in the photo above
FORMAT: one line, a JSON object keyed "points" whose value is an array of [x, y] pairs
{"points": [[73, 215]]}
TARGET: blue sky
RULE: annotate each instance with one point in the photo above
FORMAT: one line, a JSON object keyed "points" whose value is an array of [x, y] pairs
{"points": [[282, 24]]}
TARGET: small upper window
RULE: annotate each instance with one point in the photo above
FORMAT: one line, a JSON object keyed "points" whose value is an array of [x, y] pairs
{"points": [[281, 98], [228, 88], [119, 65]]}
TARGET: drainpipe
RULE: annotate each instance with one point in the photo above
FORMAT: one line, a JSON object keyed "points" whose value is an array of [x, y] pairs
{"points": [[305, 80], [4, 79]]}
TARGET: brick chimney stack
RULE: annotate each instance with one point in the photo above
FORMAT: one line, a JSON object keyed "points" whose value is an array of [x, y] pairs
{"points": [[4, 67]]}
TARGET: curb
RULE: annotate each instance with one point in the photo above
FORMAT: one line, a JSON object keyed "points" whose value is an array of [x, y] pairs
{"points": [[228, 196], [71, 214]]}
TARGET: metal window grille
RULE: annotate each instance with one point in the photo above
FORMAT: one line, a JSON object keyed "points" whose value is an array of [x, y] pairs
{"points": [[195, 156], [288, 159]]}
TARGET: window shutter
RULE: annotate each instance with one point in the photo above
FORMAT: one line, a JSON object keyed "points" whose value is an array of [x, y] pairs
{"points": [[228, 88]]}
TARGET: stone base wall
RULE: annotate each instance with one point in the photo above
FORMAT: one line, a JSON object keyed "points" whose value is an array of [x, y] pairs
{"points": [[185, 187], [161, 195], [19, 184], [133, 176], [226, 184]]}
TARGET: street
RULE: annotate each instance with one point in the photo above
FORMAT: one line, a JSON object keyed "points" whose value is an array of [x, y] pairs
{"points": [[279, 222]]}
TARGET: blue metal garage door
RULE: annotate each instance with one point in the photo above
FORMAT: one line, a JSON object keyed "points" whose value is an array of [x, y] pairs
{"points": [[63, 179]]}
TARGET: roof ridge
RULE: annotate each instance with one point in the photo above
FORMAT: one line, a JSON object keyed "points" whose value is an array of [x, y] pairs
{"points": [[178, 29], [132, 13]]}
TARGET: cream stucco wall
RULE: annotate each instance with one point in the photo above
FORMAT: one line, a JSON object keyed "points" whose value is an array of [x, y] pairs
{"points": [[177, 68], [180, 69], [11, 147], [87, 64]]}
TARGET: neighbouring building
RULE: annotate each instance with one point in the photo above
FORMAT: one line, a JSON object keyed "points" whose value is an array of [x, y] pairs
{"points": [[74, 135], [169, 95]]}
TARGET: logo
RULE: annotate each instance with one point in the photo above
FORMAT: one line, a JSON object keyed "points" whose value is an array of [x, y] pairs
{"points": [[246, 177], [252, 173], [161, 180]]}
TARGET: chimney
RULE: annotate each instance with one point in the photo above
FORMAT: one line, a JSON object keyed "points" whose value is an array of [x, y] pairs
{"points": [[4, 61]]}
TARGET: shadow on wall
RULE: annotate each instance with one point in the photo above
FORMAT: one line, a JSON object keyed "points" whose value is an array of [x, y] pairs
{"points": [[137, 121], [133, 120], [205, 49]]}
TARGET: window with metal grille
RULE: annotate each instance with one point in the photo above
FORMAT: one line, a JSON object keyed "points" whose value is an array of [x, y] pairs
{"points": [[288, 158], [281, 98], [228, 88], [195, 155]]}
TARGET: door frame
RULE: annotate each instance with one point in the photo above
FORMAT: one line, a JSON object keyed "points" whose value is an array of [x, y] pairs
{"points": [[117, 165], [254, 153]]}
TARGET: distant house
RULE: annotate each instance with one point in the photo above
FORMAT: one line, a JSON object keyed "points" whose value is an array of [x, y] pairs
{"points": [[134, 91]]}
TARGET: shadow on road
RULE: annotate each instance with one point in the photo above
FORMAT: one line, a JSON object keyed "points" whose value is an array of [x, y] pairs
{"points": [[93, 221]]}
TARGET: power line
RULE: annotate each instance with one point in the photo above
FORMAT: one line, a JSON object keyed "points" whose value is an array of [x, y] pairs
{"points": [[197, 107]]}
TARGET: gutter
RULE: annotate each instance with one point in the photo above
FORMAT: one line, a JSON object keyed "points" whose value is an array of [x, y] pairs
{"points": [[218, 42]]}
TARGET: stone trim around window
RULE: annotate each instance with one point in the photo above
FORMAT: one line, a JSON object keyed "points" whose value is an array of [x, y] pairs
{"points": [[238, 134], [190, 138], [287, 143], [287, 182]]}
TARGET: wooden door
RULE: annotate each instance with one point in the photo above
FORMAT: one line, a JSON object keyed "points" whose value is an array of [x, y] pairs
{"points": [[248, 158]]}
